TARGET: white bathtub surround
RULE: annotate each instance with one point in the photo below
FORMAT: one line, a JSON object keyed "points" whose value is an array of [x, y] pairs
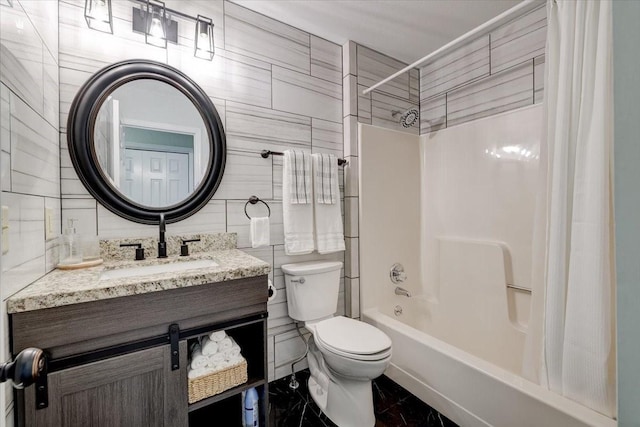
{"points": [[470, 190], [297, 208], [326, 204], [390, 196], [579, 347]]}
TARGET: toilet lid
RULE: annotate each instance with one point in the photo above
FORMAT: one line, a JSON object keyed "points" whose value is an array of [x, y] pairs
{"points": [[351, 336]]}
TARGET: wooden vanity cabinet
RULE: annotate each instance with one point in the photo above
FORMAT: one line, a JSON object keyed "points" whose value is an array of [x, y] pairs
{"points": [[134, 389], [120, 372]]}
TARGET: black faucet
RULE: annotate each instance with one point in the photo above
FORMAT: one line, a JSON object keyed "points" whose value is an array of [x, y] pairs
{"points": [[162, 245]]}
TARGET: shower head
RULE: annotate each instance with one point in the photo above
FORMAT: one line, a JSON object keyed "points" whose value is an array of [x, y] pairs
{"points": [[408, 118]]}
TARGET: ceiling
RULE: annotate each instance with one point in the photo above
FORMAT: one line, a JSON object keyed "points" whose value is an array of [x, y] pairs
{"points": [[404, 29]]}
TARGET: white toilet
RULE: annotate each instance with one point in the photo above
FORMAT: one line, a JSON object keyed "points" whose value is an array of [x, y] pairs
{"points": [[344, 354]]}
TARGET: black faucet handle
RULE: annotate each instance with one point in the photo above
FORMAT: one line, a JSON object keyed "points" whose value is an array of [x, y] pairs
{"points": [[184, 248], [139, 249]]}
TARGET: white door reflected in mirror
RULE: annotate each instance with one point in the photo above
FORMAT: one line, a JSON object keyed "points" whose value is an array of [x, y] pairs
{"points": [[151, 143]]}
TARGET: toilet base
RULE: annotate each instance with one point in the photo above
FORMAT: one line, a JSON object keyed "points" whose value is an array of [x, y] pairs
{"points": [[347, 402]]}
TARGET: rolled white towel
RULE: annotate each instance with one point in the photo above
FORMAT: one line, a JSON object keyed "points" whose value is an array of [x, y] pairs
{"points": [[195, 373], [225, 344], [217, 336], [220, 366], [232, 352], [215, 359], [198, 360], [235, 360], [209, 347]]}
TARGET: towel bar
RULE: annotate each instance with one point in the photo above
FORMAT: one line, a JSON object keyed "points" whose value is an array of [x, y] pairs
{"points": [[266, 153]]}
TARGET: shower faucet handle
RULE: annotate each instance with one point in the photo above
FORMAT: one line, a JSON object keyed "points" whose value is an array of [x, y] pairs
{"points": [[397, 273]]}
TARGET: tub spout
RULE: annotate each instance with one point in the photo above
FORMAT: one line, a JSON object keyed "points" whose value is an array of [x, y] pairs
{"points": [[402, 291]]}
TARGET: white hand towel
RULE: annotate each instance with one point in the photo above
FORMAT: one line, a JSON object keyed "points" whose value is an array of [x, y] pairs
{"points": [[260, 233], [217, 336], [298, 172], [325, 173], [297, 207], [225, 344], [218, 366], [232, 352], [195, 373], [215, 359], [235, 360], [328, 217], [198, 360], [209, 347]]}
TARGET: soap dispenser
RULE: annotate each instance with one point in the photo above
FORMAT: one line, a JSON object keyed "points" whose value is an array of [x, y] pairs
{"points": [[71, 249]]}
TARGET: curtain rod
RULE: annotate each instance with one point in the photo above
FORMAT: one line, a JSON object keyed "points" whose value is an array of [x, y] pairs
{"points": [[507, 15]]}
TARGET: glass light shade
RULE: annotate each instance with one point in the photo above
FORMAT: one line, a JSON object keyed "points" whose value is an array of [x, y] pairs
{"points": [[156, 33], [203, 40], [97, 13]]}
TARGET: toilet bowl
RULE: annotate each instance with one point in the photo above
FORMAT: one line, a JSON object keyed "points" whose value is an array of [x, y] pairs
{"points": [[344, 354]]}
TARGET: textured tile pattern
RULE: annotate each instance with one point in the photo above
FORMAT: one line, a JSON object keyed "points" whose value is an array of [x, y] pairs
{"points": [[398, 95], [275, 87], [519, 40], [495, 73], [455, 68], [433, 113], [538, 79], [303, 94], [254, 35], [393, 406], [29, 149], [507, 90]]}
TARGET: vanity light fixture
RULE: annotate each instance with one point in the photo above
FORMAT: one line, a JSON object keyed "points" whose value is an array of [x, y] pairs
{"points": [[203, 40], [153, 21], [97, 13]]}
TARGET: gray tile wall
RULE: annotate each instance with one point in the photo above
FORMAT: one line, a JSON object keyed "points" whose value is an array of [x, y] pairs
{"points": [[364, 67], [495, 73], [276, 87], [30, 159]]}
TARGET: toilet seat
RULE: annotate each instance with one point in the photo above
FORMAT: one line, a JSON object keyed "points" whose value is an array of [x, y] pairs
{"points": [[352, 339]]}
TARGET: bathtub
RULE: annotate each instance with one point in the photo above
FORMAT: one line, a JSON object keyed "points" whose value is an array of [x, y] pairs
{"points": [[460, 221], [466, 388]]}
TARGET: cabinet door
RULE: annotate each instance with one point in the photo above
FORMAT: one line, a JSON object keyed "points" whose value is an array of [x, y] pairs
{"points": [[135, 389]]}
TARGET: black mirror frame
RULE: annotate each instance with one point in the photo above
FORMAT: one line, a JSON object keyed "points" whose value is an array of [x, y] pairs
{"points": [[80, 135]]}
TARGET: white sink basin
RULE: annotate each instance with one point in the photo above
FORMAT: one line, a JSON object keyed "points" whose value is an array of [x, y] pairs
{"points": [[147, 270]]}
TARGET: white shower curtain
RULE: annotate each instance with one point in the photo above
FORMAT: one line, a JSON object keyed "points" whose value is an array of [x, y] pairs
{"points": [[573, 339]]}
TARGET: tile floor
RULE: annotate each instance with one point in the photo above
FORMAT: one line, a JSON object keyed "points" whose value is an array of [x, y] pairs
{"points": [[394, 406]]}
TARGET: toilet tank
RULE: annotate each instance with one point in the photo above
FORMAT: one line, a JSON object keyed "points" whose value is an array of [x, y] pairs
{"points": [[312, 289]]}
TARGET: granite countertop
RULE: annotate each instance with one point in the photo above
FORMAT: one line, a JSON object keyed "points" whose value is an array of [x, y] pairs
{"points": [[66, 287]]}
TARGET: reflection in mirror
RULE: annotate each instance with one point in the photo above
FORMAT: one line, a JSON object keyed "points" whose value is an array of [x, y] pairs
{"points": [[151, 143]]}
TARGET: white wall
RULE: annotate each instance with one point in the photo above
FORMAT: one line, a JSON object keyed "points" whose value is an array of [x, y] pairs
{"points": [[626, 34]]}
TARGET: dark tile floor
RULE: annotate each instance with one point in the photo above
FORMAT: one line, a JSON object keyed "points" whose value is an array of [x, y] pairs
{"points": [[394, 406]]}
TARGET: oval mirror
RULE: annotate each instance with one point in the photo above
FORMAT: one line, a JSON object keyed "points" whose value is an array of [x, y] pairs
{"points": [[145, 139]]}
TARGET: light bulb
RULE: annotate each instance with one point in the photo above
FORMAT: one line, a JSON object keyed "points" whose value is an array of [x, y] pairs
{"points": [[156, 29], [101, 10]]}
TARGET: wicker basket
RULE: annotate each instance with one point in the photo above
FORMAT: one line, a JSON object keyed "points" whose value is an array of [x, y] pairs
{"points": [[217, 382]]}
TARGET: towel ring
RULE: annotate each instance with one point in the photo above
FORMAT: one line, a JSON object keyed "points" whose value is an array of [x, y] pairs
{"points": [[253, 200]]}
